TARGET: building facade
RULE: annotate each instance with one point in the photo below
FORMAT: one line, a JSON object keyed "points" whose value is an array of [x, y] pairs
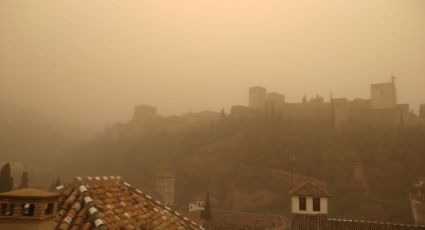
{"points": [[309, 210], [28, 209], [383, 95], [257, 97], [166, 187]]}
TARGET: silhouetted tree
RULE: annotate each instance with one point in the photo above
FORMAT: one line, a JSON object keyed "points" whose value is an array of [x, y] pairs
{"points": [[6, 180], [24, 180], [206, 213]]}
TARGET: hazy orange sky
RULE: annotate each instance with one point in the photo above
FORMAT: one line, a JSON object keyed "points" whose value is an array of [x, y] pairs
{"points": [[91, 61]]}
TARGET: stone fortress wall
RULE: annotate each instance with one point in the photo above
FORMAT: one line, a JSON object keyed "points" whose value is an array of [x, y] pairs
{"points": [[381, 110]]}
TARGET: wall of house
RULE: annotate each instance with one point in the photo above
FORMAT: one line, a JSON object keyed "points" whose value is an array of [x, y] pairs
{"points": [[27, 225], [295, 206]]}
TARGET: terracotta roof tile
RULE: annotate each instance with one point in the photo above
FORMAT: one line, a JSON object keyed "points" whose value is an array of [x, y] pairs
{"points": [[232, 220], [309, 189], [321, 222], [109, 203]]}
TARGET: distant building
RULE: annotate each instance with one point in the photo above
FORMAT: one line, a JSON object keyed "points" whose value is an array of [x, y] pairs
{"points": [[417, 201], [381, 110], [198, 203], [383, 95], [309, 210], [165, 186], [144, 112], [257, 97], [239, 111], [318, 100], [276, 98]]}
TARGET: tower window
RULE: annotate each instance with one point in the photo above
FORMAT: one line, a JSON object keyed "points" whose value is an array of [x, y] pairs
{"points": [[316, 204], [302, 203], [28, 209], [49, 209], [6, 209]]}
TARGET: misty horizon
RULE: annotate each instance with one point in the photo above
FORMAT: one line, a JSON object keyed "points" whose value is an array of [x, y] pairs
{"points": [[96, 60], [212, 114]]}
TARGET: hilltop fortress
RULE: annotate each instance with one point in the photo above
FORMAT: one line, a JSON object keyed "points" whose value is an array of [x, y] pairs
{"points": [[381, 110]]}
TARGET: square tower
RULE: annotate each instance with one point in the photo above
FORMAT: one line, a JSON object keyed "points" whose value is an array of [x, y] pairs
{"points": [[383, 95], [257, 97], [165, 186], [144, 113]]}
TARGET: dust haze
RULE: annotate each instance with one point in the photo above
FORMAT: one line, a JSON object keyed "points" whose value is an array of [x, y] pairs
{"points": [[90, 62], [226, 114]]}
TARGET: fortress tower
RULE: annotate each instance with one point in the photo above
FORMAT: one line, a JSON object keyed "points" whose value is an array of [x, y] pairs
{"points": [[165, 186], [144, 112], [309, 207], [257, 97], [383, 95]]}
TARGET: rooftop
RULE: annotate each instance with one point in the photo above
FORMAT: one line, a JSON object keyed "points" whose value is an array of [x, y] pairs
{"points": [[110, 203], [309, 189], [28, 193], [227, 219]]}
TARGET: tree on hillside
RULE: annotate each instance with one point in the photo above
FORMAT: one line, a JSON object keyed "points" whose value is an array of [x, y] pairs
{"points": [[24, 180], [6, 180], [206, 213]]}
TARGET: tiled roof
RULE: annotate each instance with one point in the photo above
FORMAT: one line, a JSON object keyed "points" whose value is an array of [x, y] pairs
{"points": [[321, 222], [110, 203], [309, 189], [29, 192], [340, 224], [227, 219]]}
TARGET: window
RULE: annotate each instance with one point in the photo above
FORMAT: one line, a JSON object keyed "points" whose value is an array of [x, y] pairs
{"points": [[303, 203], [49, 209], [6, 209], [28, 209], [316, 204]]}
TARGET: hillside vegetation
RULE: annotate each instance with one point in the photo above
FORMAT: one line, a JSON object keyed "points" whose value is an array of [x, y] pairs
{"points": [[244, 163]]}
